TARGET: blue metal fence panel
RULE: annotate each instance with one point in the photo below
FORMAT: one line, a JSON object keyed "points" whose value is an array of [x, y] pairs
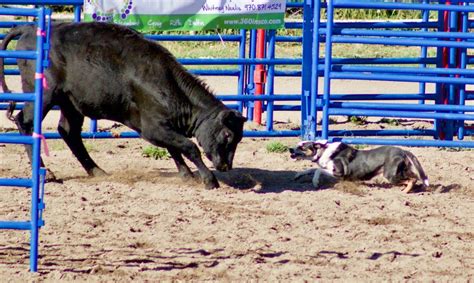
{"points": [[448, 34], [35, 183]]}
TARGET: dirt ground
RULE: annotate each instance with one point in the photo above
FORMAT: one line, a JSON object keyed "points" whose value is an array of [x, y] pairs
{"points": [[143, 223]]}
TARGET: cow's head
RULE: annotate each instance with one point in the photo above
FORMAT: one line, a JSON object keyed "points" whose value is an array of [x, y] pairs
{"points": [[219, 137]]}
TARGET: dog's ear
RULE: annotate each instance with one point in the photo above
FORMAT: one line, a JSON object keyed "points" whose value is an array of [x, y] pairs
{"points": [[320, 144]]}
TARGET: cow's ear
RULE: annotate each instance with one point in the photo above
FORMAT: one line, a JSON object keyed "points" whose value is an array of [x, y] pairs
{"points": [[231, 118]]}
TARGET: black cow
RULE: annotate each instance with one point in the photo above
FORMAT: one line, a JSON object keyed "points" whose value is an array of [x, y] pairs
{"points": [[107, 71]]}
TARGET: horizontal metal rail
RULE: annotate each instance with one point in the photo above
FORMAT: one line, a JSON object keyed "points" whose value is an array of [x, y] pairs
{"points": [[16, 182], [17, 97], [18, 54], [404, 70], [405, 142], [108, 135], [379, 24], [15, 138], [18, 12], [15, 225], [399, 114], [399, 78], [397, 33], [401, 42], [237, 61], [336, 61], [275, 97], [403, 106], [394, 96], [384, 133]]}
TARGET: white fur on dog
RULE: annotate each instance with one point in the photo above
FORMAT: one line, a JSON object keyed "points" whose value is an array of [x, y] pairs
{"points": [[325, 159]]}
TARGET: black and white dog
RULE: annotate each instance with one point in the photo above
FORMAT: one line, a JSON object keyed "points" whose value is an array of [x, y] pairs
{"points": [[342, 161]]}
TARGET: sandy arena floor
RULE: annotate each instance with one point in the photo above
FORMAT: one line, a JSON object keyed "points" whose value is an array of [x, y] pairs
{"points": [[143, 223]]}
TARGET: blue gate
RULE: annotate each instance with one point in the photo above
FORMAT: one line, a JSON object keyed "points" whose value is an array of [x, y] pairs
{"points": [[36, 181], [446, 32]]}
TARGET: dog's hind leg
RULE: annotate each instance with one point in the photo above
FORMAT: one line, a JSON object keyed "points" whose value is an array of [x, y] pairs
{"points": [[393, 170], [410, 183]]}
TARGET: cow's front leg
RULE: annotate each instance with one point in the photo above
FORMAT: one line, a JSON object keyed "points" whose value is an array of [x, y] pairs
{"points": [[191, 151], [181, 144], [183, 169]]}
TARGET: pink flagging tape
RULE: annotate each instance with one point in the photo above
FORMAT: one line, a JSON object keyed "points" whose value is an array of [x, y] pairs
{"points": [[43, 139], [43, 77], [40, 32]]}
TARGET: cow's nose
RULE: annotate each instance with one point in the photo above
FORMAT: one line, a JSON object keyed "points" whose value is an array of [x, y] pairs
{"points": [[292, 150]]}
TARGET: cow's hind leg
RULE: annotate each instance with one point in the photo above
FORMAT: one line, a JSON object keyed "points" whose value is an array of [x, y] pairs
{"points": [[70, 125], [183, 169]]}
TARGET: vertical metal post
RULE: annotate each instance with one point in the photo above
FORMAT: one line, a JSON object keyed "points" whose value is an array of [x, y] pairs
{"points": [[312, 119], [271, 77], [327, 69], [424, 50], [38, 108], [308, 127], [463, 65], [452, 63], [259, 76], [242, 68], [251, 84], [77, 13]]}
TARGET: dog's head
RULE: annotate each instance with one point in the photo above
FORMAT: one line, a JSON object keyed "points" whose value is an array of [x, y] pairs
{"points": [[309, 150]]}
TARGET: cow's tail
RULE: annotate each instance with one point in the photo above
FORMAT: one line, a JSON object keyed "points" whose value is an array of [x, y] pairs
{"points": [[417, 169], [14, 32]]}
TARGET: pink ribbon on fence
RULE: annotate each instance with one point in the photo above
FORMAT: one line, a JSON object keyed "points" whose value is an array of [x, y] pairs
{"points": [[43, 139], [40, 32], [42, 77]]}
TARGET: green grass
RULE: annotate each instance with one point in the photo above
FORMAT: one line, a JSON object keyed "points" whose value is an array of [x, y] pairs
{"points": [[360, 146], [276, 147], [358, 120], [155, 152], [90, 147], [455, 149], [392, 122]]}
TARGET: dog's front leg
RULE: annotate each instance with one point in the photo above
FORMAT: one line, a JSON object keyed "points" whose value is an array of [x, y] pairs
{"points": [[303, 174], [316, 178]]}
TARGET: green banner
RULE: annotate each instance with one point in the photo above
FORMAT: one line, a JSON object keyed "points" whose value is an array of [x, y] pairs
{"points": [[188, 15]]}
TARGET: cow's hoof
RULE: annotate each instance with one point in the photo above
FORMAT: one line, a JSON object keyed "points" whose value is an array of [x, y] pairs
{"points": [[97, 172], [51, 178], [186, 176], [213, 184]]}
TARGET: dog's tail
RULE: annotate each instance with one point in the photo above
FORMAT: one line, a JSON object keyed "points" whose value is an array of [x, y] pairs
{"points": [[416, 168], [14, 32]]}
